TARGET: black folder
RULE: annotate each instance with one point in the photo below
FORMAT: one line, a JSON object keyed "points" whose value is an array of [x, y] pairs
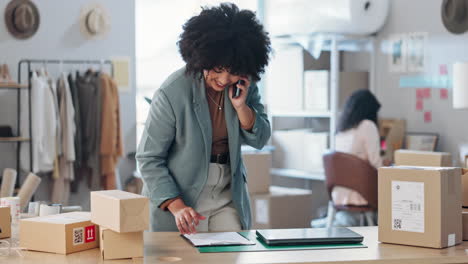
{"points": [[308, 236]]}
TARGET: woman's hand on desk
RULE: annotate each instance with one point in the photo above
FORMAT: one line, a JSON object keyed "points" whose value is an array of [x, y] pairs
{"points": [[186, 217]]}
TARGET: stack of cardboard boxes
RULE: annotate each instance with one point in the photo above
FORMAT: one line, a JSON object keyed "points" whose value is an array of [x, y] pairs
{"points": [[273, 206], [122, 217], [420, 206], [5, 222], [115, 224]]}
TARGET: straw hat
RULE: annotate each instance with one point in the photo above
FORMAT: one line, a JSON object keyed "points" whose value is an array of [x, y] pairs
{"points": [[22, 18], [455, 15], [94, 21]]}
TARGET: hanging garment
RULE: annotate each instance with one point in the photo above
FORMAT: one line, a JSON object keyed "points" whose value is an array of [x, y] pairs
{"points": [[89, 94], [58, 143], [111, 135], [44, 124], [78, 140], [61, 188]]}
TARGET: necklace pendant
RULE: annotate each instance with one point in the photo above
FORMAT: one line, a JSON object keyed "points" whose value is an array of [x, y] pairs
{"points": [[219, 108]]}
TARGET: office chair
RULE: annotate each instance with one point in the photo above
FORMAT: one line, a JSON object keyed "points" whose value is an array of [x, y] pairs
{"points": [[347, 170]]}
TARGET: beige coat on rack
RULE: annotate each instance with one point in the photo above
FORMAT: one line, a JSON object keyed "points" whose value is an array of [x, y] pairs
{"points": [[111, 135]]}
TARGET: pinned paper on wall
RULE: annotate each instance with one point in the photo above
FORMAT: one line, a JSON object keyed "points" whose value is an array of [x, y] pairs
{"points": [[419, 94], [418, 81], [419, 105], [443, 69], [444, 93], [122, 73], [397, 53], [416, 50], [426, 93], [427, 117]]}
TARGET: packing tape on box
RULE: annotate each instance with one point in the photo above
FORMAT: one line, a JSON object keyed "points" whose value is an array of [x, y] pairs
{"points": [[68, 209], [28, 189], [49, 209], [8, 182], [14, 204]]}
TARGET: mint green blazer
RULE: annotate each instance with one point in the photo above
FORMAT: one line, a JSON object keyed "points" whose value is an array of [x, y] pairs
{"points": [[174, 152]]}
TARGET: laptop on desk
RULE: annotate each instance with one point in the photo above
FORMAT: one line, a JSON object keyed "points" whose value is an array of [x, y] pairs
{"points": [[308, 236]]}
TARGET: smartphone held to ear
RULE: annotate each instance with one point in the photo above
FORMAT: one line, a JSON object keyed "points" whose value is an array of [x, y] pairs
{"points": [[236, 93]]}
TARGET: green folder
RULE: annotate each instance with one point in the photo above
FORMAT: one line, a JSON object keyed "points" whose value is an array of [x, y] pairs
{"points": [[261, 246]]}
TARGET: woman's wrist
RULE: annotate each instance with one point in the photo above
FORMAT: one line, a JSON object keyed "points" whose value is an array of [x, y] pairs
{"points": [[176, 205]]}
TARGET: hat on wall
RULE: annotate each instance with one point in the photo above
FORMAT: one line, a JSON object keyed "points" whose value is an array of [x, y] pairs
{"points": [[455, 15], [94, 21], [22, 18]]}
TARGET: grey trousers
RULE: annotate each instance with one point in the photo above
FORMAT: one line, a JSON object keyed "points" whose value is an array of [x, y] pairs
{"points": [[215, 202]]}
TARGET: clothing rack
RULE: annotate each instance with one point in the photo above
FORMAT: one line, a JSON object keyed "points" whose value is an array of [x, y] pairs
{"points": [[28, 63]]}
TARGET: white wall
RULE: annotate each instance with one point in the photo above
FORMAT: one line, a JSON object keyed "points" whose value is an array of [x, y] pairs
{"points": [[59, 37], [443, 48]]}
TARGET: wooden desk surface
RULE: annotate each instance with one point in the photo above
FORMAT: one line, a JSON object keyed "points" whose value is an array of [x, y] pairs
{"points": [[169, 247]]}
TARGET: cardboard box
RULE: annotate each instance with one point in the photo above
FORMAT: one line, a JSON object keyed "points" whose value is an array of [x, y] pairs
{"points": [[5, 222], [420, 206], [299, 149], [62, 233], [282, 208], [465, 187], [258, 165], [120, 211], [422, 158], [115, 245], [465, 224], [316, 85]]}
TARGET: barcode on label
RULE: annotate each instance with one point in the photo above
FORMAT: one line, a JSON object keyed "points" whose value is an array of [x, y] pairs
{"points": [[78, 236], [415, 207], [396, 223]]}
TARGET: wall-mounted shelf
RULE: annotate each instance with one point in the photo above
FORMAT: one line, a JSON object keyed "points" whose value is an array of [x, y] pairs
{"points": [[315, 176], [13, 139], [13, 86]]}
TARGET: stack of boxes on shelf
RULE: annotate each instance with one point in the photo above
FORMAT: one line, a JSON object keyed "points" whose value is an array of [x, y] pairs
{"points": [[122, 217], [274, 206], [422, 206], [115, 225]]}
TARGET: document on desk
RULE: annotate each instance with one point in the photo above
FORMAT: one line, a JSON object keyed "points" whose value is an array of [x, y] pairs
{"points": [[218, 239]]}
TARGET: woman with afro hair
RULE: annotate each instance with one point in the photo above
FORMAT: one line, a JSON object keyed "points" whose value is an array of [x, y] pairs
{"points": [[190, 152]]}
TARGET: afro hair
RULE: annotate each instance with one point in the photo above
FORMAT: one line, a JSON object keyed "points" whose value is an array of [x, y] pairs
{"points": [[226, 37]]}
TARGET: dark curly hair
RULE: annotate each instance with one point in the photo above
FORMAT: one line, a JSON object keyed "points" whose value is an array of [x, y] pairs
{"points": [[225, 37], [361, 105]]}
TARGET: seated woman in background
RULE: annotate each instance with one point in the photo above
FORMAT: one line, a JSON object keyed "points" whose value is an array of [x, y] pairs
{"points": [[357, 134]]}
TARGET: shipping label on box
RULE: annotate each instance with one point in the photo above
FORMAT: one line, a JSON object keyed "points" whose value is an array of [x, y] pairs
{"points": [[62, 233], [120, 211], [408, 206], [5, 222]]}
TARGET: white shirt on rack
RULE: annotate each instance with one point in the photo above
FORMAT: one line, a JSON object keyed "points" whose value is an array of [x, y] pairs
{"points": [[363, 142], [44, 121]]}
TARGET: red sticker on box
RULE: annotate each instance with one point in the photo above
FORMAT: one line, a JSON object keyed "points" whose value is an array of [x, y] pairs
{"points": [[90, 234]]}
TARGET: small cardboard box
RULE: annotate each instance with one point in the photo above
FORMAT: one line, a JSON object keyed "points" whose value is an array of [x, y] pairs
{"points": [[258, 165], [282, 208], [5, 222], [62, 233], [115, 245], [465, 224], [420, 206], [422, 158], [120, 211]]}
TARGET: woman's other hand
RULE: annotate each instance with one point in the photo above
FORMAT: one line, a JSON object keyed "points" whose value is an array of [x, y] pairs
{"points": [[186, 217]]}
